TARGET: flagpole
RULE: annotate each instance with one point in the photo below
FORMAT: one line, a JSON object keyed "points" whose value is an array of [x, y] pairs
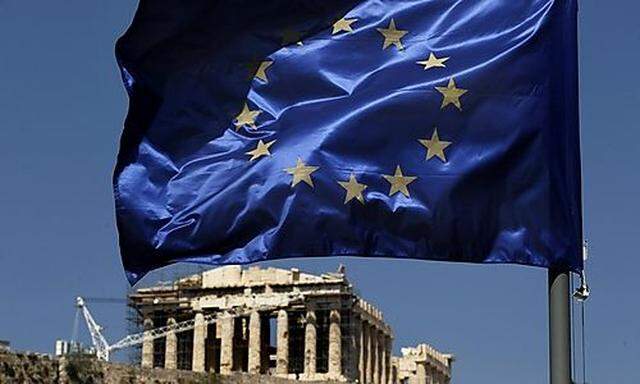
{"points": [[559, 327]]}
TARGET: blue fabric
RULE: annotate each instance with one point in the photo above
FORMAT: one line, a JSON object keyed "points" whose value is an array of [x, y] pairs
{"points": [[508, 190]]}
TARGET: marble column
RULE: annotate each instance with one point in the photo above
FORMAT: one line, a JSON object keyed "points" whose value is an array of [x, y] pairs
{"points": [[369, 353], [335, 344], [255, 342], [310, 337], [282, 353], [382, 341], [226, 344], [421, 373], [359, 336], [171, 347], [375, 361], [389, 353], [199, 338], [147, 344]]}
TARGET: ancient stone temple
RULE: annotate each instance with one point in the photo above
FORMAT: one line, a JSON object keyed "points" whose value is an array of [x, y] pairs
{"points": [[422, 364], [267, 321]]}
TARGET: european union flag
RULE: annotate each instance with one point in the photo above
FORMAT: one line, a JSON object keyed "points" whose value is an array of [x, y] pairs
{"points": [[417, 129]]}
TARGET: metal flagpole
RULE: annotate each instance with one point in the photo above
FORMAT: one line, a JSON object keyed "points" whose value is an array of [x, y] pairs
{"points": [[559, 327]]}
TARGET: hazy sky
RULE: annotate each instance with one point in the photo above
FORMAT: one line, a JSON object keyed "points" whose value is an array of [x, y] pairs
{"points": [[61, 112]]}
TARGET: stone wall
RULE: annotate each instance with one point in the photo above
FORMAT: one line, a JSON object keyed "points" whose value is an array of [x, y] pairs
{"points": [[39, 369]]}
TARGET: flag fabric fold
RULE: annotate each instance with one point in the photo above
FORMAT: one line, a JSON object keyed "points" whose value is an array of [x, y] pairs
{"points": [[425, 129]]}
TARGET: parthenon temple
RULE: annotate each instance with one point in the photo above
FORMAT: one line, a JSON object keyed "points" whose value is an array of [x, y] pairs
{"points": [[278, 322]]}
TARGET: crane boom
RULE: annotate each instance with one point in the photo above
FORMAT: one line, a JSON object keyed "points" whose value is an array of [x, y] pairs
{"points": [[156, 333], [99, 342]]}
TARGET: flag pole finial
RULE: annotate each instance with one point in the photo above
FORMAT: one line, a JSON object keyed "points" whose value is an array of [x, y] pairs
{"points": [[582, 292]]}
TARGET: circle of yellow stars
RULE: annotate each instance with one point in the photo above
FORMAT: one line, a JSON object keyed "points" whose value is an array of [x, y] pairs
{"points": [[302, 172]]}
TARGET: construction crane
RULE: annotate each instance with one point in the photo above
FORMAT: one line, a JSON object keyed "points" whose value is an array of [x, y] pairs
{"points": [[104, 349], [95, 330]]}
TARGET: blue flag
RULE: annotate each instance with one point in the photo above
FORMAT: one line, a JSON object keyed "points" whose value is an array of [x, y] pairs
{"points": [[425, 129]]}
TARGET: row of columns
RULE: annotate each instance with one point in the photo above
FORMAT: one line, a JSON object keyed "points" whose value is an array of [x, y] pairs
{"points": [[374, 363], [310, 345], [226, 330]]}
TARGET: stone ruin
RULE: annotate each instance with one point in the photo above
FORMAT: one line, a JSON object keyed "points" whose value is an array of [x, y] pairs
{"points": [[281, 323], [422, 364]]}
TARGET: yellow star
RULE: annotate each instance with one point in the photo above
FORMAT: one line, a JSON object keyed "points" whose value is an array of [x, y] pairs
{"points": [[246, 117], [451, 94], [261, 72], [343, 25], [433, 62], [392, 36], [435, 147], [354, 189], [261, 150], [399, 182], [290, 36], [301, 172]]}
